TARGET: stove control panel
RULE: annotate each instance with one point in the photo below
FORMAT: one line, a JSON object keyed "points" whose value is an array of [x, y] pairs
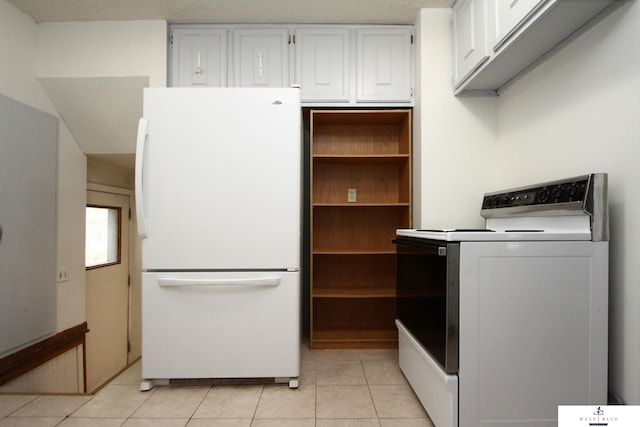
{"points": [[579, 196], [561, 192]]}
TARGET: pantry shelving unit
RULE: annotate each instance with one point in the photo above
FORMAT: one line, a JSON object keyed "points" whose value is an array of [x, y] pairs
{"points": [[360, 194]]}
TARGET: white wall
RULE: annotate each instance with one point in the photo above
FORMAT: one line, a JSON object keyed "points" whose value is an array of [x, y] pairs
{"points": [[452, 136], [104, 48], [99, 172], [578, 112], [18, 48]]}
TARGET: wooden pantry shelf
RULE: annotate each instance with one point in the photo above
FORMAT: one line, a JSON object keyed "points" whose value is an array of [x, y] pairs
{"points": [[354, 292], [358, 204], [353, 252], [350, 339], [360, 195], [368, 158]]}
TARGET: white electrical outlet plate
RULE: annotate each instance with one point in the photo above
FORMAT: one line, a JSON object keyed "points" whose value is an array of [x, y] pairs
{"points": [[352, 195], [63, 275]]}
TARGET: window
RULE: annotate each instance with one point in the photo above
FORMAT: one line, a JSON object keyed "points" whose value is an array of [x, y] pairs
{"points": [[102, 245]]}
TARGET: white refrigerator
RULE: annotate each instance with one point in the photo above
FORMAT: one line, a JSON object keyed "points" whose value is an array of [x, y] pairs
{"points": [[218, 204]]}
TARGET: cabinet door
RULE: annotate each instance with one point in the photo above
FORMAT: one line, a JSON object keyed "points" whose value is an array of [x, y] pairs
{"points": [[385, 61], [508, 15], [199, 57], [322, 64], [261, 58], [469, 37]]}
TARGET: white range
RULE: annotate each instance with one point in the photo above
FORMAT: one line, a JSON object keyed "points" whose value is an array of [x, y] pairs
{"points": [[499, 326]]}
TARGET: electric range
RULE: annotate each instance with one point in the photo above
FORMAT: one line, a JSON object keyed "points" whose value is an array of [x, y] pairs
{"points": [[500, 325]]}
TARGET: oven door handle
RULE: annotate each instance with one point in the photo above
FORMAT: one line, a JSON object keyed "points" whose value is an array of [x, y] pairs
{"points": [[424, 247]]}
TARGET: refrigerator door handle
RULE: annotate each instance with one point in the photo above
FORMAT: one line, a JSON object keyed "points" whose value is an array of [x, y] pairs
{"points": [[143, 133], [259, 282]]}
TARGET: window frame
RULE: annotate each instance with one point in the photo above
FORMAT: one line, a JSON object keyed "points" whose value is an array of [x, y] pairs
{"points": [[118, 260]]}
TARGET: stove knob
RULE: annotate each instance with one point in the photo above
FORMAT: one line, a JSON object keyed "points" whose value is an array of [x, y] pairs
{"points": [[572, 190], [557, 193], [542, 196]]}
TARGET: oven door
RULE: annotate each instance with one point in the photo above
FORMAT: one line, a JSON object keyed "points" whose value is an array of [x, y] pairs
{"points": [[428, 295]]}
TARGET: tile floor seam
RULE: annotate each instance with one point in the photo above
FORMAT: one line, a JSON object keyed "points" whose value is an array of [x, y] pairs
{"points": [[315, 399], [255, 409], [375, 408], [19, 408], [198, 406]]}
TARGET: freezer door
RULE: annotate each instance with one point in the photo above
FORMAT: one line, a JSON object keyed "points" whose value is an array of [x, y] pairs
{"points": [[221, 325], [219, 178]]}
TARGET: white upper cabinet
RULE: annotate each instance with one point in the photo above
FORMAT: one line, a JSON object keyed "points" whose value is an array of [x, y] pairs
{"points": [[385, 65], [520, 33], [261, 57], [198, 57], [469, 37], [346, 65], [508, 15], [322, 64]]}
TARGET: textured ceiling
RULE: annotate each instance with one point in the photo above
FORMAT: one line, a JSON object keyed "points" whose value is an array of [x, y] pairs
{"points": [[231, 11]]}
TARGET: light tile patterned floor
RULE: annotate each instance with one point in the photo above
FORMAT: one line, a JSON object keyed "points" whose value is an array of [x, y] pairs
{"points": [[338, 388]]}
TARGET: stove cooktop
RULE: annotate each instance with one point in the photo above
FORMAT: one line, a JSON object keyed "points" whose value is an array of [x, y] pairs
{"points": [[486, 235]]}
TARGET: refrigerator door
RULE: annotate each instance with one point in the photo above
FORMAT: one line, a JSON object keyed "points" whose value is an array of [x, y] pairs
{"points": [[220, 325], [219, 178]]}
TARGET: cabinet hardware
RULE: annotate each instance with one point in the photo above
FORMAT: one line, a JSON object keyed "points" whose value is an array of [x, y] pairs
{"points": [[198, 69], [260, 68]]}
